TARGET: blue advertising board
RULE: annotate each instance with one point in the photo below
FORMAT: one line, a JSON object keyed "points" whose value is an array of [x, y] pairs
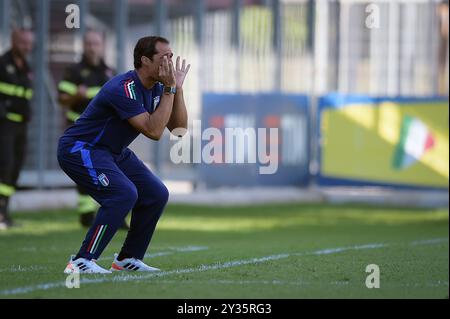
{"points": [[254, 140]]}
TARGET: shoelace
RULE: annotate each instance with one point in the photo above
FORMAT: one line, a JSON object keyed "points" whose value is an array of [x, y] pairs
{"points": [[140, 262], [92, 264]]}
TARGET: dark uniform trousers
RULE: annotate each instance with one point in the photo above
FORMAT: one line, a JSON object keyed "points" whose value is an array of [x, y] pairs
{"points": [[13, 139], [15, 95]]}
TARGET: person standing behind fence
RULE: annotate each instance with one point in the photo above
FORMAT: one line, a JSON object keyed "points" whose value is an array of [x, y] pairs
{"points": [[15, 113], [80, 83], [442, 13]]}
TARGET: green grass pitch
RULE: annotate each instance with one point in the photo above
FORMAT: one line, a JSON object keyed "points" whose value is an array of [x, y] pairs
{"points": [[268, 251]]}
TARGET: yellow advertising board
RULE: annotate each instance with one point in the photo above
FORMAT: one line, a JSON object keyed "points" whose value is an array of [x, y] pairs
{"points": [[398, 143]]}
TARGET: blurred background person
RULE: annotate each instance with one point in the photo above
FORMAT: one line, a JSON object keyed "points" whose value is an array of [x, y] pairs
{"points": [[442, 12], [15, 96], [80, 84]]}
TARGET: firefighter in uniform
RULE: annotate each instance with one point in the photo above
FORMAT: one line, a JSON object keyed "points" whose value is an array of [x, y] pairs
{"points": [[80, 84], [15, 96]]}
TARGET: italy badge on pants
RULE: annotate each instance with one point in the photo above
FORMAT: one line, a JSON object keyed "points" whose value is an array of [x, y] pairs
{"points": [[103, 179]]}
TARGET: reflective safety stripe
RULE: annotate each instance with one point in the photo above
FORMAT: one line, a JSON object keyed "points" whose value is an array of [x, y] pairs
{"points": [[15, 90], [19, 91], [86, 204], [6, 190], [72, 116], [7, 89], [68, 87], [92, 91], [14, 117], [28, 94]]}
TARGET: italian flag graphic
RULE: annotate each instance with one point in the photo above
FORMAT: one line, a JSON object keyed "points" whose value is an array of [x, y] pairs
{"points": [[415, 140]]}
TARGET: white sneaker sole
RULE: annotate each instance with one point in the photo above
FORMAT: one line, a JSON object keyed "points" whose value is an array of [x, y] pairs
{"points": [[127, 270], [69, 271]]}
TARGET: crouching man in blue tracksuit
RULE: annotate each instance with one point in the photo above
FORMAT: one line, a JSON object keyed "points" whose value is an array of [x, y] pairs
{"points": [[94, 154]]}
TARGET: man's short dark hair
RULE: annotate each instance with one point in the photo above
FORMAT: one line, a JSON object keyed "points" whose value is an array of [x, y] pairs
{"points": [[146, 46], [99, 32]]}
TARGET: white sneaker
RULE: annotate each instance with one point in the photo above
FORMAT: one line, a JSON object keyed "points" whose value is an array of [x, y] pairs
{"points": [[83, 265], [130, 264], [3, 226]]}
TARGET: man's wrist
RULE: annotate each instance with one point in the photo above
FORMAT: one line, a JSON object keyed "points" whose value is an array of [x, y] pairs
{"points": [[170, 90]]}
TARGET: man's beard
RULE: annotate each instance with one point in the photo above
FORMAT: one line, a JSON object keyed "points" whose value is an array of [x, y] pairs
{"points": [[20, 55]]}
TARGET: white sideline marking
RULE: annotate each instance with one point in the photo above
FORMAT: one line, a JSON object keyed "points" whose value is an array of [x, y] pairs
{"points": [[189, 248], [338, 250], [20, 268], [130, 277], [429, 241]]}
